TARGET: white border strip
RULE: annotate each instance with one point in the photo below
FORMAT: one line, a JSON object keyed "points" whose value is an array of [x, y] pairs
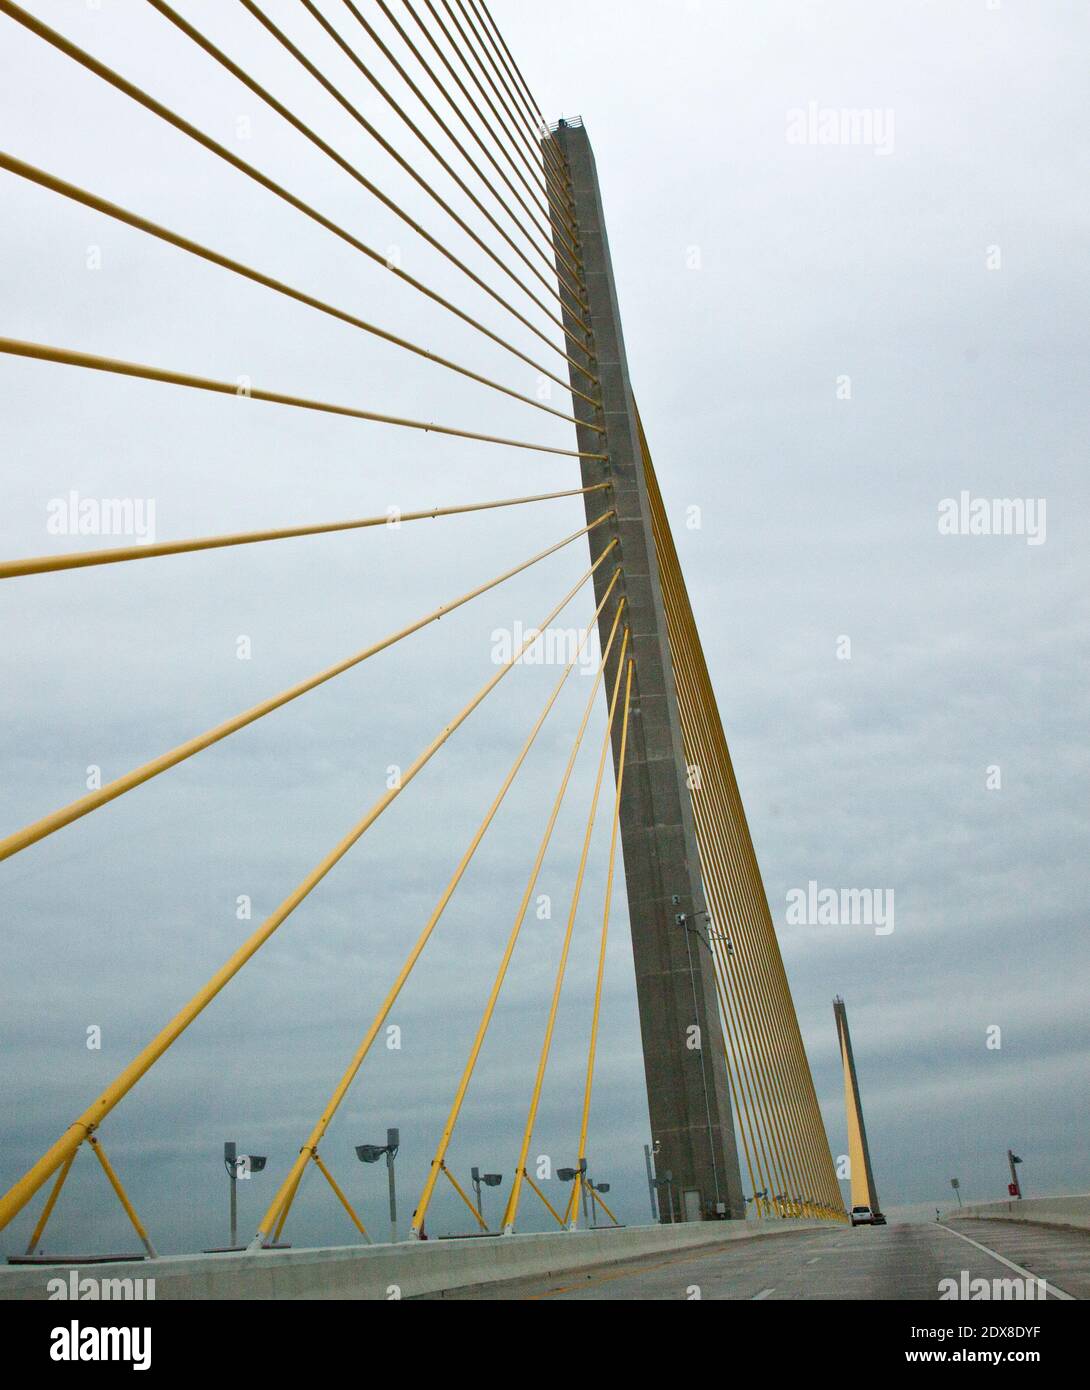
{"points": [[1050, 1288]]}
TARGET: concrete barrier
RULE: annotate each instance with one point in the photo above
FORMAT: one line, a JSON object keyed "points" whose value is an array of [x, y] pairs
{"points": [[1045, 1211], [384, 1271]]}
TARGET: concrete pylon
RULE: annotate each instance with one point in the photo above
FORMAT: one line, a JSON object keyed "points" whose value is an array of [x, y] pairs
{"points": [[684, 1059], [864, 1192]]}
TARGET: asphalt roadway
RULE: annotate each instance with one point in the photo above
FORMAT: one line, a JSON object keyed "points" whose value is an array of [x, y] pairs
{"points": [[899, 1261]]}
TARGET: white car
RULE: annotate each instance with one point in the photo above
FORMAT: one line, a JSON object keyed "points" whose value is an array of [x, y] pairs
{"points": [[862, 1216]]}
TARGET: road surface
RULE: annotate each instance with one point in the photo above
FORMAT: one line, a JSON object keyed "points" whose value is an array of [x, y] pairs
{"points": [[899, 1261]]}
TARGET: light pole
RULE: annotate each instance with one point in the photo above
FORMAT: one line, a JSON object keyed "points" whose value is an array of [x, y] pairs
{"points": [[594, 1187], [648, 1151], [569, 1175], [371, 1153], [238, 1166], [667, 1181], [1015, 1188], [489, 1180]]}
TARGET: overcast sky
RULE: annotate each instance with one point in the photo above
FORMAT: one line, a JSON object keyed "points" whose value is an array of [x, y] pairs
{"points": [[938, 273]]}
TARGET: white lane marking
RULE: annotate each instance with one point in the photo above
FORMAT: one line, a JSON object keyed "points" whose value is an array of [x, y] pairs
{"points": [[763, 1294], [814, 1260], [1026, 1274]]}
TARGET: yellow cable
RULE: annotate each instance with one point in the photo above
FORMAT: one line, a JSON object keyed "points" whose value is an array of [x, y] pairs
{"points": [[420, 96], [346, 165], [501, 127], [82, 559], [69, 357], [543, 1061], [81, 195], [349, 1075], [56, 820], [17, 1196], [421, 1211], [592, 1048], [121, 84]]}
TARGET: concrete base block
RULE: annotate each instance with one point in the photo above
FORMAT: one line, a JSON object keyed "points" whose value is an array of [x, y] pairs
{"points": [[391, 1271], [1045, 1211]]}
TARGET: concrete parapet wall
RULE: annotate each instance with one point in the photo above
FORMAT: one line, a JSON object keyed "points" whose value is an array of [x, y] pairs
{"points": [[391, 1271], [1046, 1211]]}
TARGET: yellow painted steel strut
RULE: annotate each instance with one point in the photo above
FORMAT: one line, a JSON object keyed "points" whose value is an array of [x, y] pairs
{"points": [[421, 1211], [83, 559], [122, 1196], [341, 1197], [285, 1195], [51, 1202], [581, 1149], [114, 1181], [17, 1196], [552, 1210], [543, 1061], [47, 825], [68, 357], [602, 1203], [461, 1193]]}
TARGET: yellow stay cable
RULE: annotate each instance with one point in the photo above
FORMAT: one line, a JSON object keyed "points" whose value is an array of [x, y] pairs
{"points": [[32, 174], [540, 132], [47, 825], [17, 1196], [238, 72], [399, 68], [780, 1123], [399, 158], [592, 1049], [540, 204], [543, 1061], [555, 178], [82, 559], [278, 1206], [548, 139], [539, 190], [121, 84], [70, 357], [457, 108], [355, 59], [790, 1079], [557, 207], [738, 1006], [737, 1025], [420, 1214]]}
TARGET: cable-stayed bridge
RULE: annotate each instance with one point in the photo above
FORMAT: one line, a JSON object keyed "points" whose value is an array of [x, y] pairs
{"points": [[413, 153]]}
